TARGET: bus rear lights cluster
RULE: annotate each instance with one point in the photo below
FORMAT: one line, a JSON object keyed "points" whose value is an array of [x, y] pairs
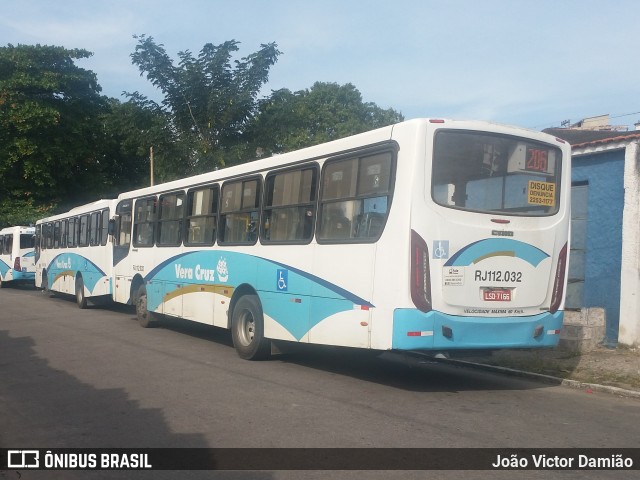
{"points": [[558, 285], [16, 265], [420, 276]]}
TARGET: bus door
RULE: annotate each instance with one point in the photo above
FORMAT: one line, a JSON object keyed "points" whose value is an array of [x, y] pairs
{"points": [[122, 270]]}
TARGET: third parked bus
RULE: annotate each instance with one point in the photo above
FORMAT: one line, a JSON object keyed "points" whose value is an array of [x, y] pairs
{"points": [[16, 255]]}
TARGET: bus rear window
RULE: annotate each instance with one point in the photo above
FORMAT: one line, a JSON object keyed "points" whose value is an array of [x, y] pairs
{"points": [[27, 241], [494, 173]]}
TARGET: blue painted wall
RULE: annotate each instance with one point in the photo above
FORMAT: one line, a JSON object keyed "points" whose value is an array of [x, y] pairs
{"points": [[605, 174]]}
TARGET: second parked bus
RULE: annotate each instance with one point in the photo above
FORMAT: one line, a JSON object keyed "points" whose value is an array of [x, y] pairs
{"points": [[74, 252]]}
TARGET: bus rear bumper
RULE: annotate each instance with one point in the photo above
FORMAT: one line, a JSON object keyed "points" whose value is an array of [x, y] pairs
{"points": [[22, 277], [416, 330]]}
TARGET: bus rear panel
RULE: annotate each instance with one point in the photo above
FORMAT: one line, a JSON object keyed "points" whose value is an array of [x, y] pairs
{"points": [[489, 242]]}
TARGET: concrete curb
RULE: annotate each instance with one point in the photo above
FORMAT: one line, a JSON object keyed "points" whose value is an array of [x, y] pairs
{"points": [[575, 384]]}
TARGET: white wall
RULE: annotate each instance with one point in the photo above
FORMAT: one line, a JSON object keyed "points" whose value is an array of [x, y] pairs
{"points": [[629, 332]]}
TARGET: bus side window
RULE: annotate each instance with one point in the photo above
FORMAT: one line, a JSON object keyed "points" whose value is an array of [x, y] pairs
{"points": [[84, 231], [64, 234], [356, 193], [104, 230], [94, 229], [170, 219], [48, 235], [56, 234], [289, 209], [239, 212], [144, 222], [73, 232], [122, 234], [202, 216], [124, 229]]}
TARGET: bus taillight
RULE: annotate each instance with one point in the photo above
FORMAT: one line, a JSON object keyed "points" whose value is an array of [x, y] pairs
{"points": [[420, 276], [558, 286], [16, 265]]}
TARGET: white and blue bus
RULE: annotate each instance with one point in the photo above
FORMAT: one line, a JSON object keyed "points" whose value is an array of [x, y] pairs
{"points": [[74, 253], [17, 255], [433, 235]]}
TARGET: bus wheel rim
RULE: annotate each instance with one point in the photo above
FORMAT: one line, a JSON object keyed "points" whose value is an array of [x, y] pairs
{"points": [[246, 328]]}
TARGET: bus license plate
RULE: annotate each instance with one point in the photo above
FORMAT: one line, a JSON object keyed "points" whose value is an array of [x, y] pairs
{"points": [[496, 295]]}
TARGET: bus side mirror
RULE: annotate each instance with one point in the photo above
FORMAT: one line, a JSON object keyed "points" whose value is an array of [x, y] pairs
{"points": [[111, 229]]}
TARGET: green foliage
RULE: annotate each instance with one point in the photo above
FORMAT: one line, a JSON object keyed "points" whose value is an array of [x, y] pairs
{"points": [[210, 101], [327, 111], [48, 113], [63, 144], [130, 129], [22, 211]]}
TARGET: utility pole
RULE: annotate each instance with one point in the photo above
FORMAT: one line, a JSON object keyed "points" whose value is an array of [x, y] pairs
{"points": [[151, 163]]}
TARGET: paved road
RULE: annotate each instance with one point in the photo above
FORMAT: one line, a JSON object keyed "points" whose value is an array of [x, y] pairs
{"points": [[94, 378]]}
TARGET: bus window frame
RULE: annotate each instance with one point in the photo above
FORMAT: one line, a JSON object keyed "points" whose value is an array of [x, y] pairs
{"points": [[56, 234], [95, 221], [313, 204], [515, 212], [124, 208], [72, 241], [152, 223], [64, 232], [216, 190], [179, 219], [392, 149], [222, 216], [84, 242], [104, 226]]}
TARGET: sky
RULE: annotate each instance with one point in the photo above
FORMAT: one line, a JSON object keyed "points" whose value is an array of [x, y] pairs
{"points": [[531, 63]]}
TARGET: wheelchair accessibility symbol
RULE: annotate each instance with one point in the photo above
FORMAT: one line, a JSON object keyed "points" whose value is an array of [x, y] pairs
{"points": [[282, 280], [441, 249]]}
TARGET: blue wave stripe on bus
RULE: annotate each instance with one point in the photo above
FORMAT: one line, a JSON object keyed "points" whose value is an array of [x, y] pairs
{"points": [[69, 261], [220, 267], [4, 268], [347, 295], [193, 259], [477, 251], [29, 254]]}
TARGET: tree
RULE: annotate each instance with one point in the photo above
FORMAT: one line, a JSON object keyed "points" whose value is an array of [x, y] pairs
{"points": [[210, 101], [327, 111], [48, 126], [129, 130]]}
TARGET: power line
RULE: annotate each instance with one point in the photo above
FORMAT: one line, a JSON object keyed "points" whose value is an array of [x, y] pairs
{"points": [[564, 120]]}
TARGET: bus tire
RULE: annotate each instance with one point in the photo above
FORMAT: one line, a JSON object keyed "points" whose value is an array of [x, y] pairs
{"points": [[247, 329], [146, 318], [81, 299]]}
